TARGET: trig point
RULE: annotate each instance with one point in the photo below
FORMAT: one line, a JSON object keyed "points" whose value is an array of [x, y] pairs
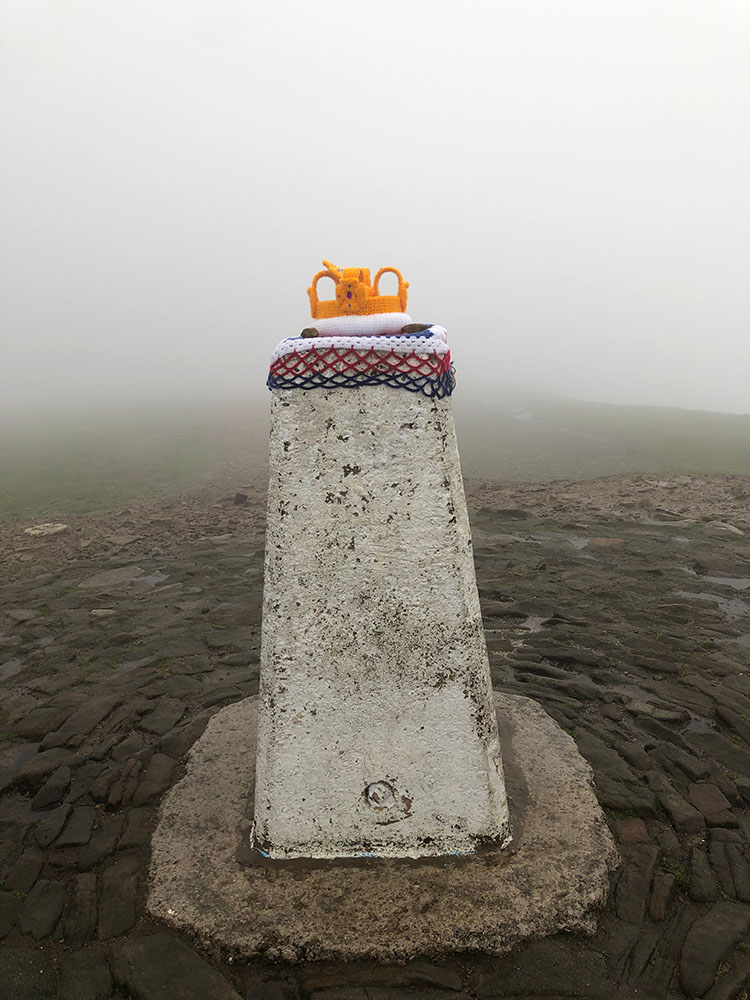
{"points": [[360, 806], [377, 733]]}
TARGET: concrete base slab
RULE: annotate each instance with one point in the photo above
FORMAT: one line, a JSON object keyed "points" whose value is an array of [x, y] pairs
{"points": [[552, 878]]}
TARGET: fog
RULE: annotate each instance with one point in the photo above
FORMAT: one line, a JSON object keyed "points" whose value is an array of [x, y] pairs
{"points": [[564, 183]]}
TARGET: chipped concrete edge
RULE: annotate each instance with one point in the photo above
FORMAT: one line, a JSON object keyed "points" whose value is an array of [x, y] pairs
{"points": [[554, 878]]}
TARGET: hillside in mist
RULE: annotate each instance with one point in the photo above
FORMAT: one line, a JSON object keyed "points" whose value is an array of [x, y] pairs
{"points": [[509, 434], [60, 464]]}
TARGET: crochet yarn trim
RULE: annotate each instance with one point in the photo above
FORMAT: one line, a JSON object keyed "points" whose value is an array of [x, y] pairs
{"points": [[378, 325], [415, 362], [354, 293]]}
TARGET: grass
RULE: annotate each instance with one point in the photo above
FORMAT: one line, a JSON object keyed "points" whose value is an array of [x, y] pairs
{"points": [[676, 868], [60, 464], [7, 733], [543, 437]]}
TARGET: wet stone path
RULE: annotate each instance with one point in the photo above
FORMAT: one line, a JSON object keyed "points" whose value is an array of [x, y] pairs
{"points": [[621, 605]]}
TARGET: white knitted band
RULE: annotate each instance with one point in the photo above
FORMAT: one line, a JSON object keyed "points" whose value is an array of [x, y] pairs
{"points": [[361, 326], [433, 341]]}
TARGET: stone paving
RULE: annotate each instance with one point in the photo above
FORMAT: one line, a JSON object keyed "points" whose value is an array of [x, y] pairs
{"points": [[622, 605]]}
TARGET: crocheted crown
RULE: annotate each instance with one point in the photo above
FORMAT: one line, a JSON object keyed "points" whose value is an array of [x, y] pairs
{"points": [[355, 296]]}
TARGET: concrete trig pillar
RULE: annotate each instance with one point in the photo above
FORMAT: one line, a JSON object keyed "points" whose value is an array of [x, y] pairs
{"points": [[377, 732]]}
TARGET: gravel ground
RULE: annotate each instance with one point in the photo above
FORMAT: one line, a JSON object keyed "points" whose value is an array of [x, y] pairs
{"points": [[622, 605]]}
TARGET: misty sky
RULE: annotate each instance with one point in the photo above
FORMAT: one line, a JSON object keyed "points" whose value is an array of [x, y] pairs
{"points": [[565, 184]]}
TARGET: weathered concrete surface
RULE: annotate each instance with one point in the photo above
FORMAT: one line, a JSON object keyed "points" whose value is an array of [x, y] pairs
{"points": [[553, 877], [377, 734]]}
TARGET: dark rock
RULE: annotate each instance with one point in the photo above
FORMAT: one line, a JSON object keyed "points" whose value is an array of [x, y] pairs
{"points": [[683, 816], [707, 798], [215, 696], [165, 716], [725, 818], [240, 499], [177, 687], [178, 741], [310, 331], [625, 798], [735, 722], [50, 827], [510, 514], [413, 974], [664, 733], [53, 790], [415, 328], [162, 967], [631, 831], [727, 787], [563, 654], [10, 907], [77, 830], [743, 787], [703, 888], [729, 985], [717, 852], [551, 967], [271, 988], [27, 974], [41, 721], [137, 832], [25, 871], [733, 757], [128, 748], [79, 924], [634, 883], [124, 785], [728, 856], [663, 834], [377, 993], [711, 938], [42, 908], [677, 693], [103, 842], [191, 665], [245, 658], [662, 895], [644, 952], [155, 780], [529, 667], [355, 993], [103, 749], [604, 760], [84, 780], [101, 788], [118, 897], [621, 938], [85, 975], [35, 771], [656, 970], [86, 718], [679, 763], [124, 718], [740, 869], [111, 578], [183, 648], [635, 756]]}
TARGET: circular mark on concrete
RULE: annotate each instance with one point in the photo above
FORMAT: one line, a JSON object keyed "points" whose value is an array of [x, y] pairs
{"points": [[381, 795], [388, 805]]}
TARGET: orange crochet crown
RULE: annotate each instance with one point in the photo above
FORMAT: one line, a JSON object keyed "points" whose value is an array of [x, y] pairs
{"points": [[354, 294]]}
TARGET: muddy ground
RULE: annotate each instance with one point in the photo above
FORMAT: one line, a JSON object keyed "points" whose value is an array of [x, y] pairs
{"points": [[622, 605]]}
